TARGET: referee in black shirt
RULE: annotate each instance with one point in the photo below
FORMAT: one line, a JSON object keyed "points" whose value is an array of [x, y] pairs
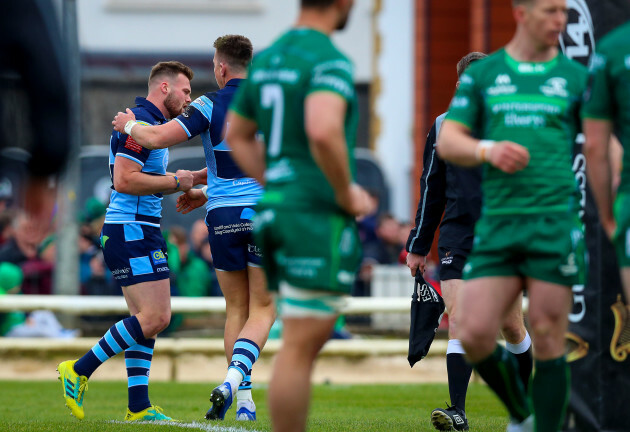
{"points": [[455, 192]]}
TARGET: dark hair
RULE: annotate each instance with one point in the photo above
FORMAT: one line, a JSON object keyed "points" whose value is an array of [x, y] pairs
{"points": [[467, 60], [317, 3], [236, 50], [170, 69], [520, 2]]}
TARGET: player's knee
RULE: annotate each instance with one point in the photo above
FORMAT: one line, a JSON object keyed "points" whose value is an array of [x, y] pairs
{"points": [[158, 322], [477, 342]]}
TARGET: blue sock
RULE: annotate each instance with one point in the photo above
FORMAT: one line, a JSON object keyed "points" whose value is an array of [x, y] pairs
{"points": [[244, 356], [246, 384], [138, 362], [118, 338]]}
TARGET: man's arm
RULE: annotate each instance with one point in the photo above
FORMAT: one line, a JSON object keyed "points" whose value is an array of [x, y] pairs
{"points": [[430, 206], [324, 114], [150, 137], [247, 151], [455, 144], [129, 179], [598, 170]]}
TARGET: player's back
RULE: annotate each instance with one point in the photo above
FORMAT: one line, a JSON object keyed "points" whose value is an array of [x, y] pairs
{"points": [[227, 184], [300, 62]]}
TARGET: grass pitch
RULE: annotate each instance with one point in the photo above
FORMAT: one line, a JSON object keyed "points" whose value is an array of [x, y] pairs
{"points": [[39, 406]]}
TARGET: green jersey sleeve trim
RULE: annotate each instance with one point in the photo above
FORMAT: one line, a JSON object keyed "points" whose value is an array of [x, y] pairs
{"points": [[237, 111], [461, 122]]}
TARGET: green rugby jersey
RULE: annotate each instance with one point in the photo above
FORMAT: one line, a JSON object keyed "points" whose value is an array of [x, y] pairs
{"points": [[300, 62], [533, 104], [608, 93]]}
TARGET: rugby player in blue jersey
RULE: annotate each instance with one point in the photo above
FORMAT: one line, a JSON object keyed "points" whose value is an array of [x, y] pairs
{"points": [[229, 197], [134, 248]]}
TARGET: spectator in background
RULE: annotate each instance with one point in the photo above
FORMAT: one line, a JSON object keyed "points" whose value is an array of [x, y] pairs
{"points": [[39, 323], [23, 242], [201, 248], [10, 280], [193, 279]]}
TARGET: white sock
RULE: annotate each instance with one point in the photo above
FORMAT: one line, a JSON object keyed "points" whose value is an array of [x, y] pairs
{"points": [[244, 395], [520, 347], [234, 377]]}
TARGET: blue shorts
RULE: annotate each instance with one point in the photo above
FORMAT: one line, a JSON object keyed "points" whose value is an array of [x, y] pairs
{"points": [[231, 239], [134, 253]]}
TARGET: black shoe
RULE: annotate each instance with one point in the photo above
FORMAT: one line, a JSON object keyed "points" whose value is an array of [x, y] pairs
{"points": [[449, 419]]}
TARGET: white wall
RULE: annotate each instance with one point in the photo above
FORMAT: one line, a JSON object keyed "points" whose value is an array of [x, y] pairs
{"points": [[191, 26], [394, 104]]}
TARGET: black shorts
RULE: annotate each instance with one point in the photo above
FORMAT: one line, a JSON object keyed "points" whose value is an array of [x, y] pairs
{"points": [[452, 261]]}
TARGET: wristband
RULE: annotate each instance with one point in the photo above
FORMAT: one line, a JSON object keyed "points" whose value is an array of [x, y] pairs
{"points": [[177, 181], [129, 125], [205, 191], [482, 152]]}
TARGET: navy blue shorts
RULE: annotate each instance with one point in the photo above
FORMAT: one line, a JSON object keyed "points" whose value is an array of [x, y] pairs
{"points": [[134, 253], [231, 239], [452, 262]]}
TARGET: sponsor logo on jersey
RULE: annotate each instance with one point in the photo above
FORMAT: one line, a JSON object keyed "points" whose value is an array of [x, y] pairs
{"points": [[345, 277], [555, 86], [161, 269], [132, 145], [531, 68], [158, 257], [120, 271], [502, 86]]}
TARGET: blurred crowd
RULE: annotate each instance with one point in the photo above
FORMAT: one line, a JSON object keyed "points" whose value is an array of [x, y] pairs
{"points": [[27, 263]]}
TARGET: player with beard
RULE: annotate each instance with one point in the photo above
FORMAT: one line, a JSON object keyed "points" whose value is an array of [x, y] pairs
{"points": [[134, 249]]}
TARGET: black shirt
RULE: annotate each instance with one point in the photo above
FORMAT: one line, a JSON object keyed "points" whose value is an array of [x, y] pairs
{"points": [[445, 189]]}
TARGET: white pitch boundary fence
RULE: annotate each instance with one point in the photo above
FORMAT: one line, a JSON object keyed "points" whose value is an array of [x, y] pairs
{"points": [[389, 307]]}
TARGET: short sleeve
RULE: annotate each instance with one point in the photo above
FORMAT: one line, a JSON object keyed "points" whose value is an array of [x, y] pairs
{"points": [[195, 119], [466, 104], [333, 76], [128, 148], [597, 97]]}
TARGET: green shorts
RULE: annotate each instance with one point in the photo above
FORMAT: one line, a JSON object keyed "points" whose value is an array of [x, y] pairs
{"points": [[544, 247], [621, 237], [308, 250]]}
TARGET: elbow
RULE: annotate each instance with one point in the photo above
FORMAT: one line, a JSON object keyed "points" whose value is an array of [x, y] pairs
{"points": [[443, 150], [594, 151], [121, 185], [321, 138]]}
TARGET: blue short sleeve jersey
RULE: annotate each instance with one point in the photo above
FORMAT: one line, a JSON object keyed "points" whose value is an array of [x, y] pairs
{"points": [[227, 185], [145, 209]]}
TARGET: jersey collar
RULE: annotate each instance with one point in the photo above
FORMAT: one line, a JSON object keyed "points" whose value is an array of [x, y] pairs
{"points": [[234, 82], [155, 112], [531, 68]]}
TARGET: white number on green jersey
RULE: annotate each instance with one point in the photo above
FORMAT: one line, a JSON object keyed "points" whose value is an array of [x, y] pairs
{"points": [[272, 97]]}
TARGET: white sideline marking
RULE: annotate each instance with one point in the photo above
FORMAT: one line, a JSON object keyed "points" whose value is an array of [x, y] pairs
{"points": [[193, 425]]}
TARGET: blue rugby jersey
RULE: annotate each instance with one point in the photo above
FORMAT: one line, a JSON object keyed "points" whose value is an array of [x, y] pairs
{"points": [[145, 209], [227, 185]]}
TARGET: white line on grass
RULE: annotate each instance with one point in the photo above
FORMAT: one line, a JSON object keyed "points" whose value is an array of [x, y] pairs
{"points": [[193, 425]]}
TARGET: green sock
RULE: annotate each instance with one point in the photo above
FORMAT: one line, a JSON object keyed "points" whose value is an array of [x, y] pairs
{"points": [[550, 393], [500, 371]]}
